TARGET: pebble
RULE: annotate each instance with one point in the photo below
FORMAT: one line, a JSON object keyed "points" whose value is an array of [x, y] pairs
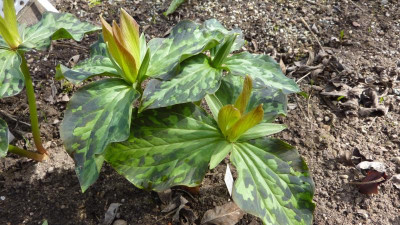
{"points": [[344, 177], [120, 222], [396, 160], [2, 198]]}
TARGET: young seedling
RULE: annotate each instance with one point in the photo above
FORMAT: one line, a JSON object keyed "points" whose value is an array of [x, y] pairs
{"points": [[158, 137], [14, 73]]}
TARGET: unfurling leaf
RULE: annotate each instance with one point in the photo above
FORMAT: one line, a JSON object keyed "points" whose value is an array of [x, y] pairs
{"points": [[9, 26], [227, 117], [245, 123], [244, 97], [227, 214], [124, 44]]}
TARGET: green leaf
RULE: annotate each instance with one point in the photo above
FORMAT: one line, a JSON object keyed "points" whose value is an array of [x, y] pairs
{"points": [[264, 71], [99, 64], [223, 52], [262, 130], [167, 147], [186, 39], [246, 122], [173, 6], [196, 80], [98, 114], [220, 153], [54, 26], [273, 182], [243, 99], [214, 104], [215, 25], [11, 77], [3, 138], [227, 117], [274, 101]]}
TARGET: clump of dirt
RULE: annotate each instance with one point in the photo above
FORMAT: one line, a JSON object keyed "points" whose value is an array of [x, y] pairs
{"points": [[344, 55]]}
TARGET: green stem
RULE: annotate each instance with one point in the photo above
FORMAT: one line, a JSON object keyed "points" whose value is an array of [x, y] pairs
{"points": [[32, 106], [25, 153]]}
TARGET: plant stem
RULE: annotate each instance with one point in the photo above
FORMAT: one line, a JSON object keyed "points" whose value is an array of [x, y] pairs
{"points": [[25, 153], [32, 106]]}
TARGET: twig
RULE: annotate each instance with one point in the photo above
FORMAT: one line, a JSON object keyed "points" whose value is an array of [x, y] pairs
{"points": [[301, 78], [368, 182], [356, 5], [312, 33], [10, 117]]}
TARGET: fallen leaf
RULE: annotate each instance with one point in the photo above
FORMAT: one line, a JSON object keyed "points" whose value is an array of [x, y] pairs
{"points": [[184, 214], [226, 214], [111, 213], [369, 185], [165, 196]]}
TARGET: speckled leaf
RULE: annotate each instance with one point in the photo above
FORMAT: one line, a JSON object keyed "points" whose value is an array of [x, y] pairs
{"points": [[97, 114], [99, 64], [196, 80], [274, 101], [3, 138], [214, 24], [273, 182], [173, 6], [169, 146], [11, 77], [54, 26], [186, 39], [264, 71]]}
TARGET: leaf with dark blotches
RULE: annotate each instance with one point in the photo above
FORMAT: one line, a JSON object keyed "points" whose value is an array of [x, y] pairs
{"points": [[369, 185], [97, 115], [196, 80], [273, 182], [11, 77], [3, 138], [226, 214], [167, 147], [54, 26]]}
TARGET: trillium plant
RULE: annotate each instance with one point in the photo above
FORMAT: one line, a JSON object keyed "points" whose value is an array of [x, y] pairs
{"points": [[145, 117], [15, 40]]}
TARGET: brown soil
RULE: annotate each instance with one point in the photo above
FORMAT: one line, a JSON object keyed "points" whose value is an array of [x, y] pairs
{"points": [[361, 41]]}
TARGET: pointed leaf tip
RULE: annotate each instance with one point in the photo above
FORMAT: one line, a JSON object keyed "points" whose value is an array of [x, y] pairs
{"points": [[244, 97]]}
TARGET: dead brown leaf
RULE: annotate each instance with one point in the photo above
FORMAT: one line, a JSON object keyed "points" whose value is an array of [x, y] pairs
{"points": [[226, 214]]}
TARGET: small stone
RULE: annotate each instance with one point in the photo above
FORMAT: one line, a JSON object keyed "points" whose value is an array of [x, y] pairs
{"points": [[319, 119], [2, 198], [65, 98], [355, 24], [327, 118], [363, 213], [396, 160], [343, 177], [120, 222]]}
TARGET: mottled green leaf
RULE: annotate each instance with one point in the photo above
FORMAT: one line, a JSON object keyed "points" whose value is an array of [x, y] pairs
{"points": [[11, 77], [3, 138], [54, 26], [98, 114], [220, 153], [173, 6], [264, 71], [262, 130], [187, 38], [215, 25], [196, 80], [273, 182], [99, 64], [274, 101], [167, 147]]}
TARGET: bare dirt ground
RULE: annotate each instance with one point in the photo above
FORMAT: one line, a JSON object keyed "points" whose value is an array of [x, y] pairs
{"points": [[353, 103]]}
